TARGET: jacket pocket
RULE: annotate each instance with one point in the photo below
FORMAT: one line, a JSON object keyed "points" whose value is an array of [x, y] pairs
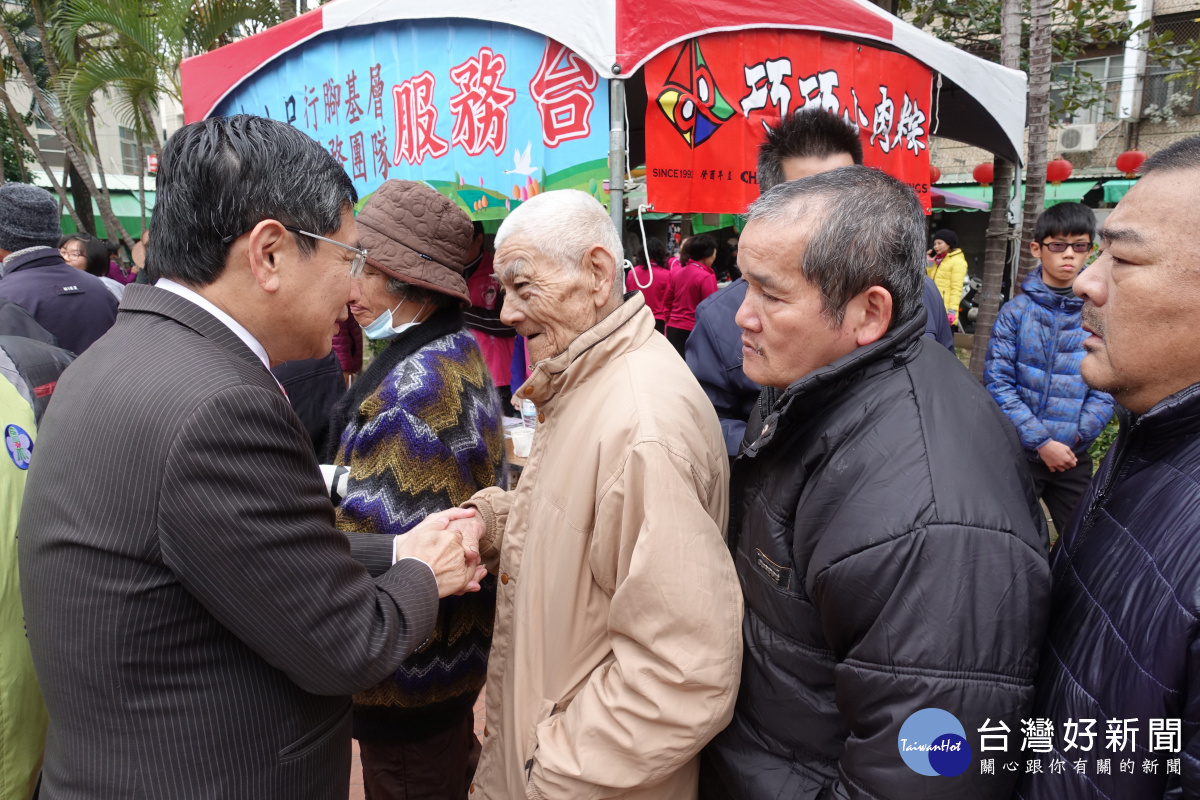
{"points": [[318, 735], [545, 712]]}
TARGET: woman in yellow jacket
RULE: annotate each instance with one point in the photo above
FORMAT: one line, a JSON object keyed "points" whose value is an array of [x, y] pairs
{"points": [[948, 269]]}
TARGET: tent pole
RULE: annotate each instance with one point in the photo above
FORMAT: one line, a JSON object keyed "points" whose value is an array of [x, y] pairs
{"points": [[616, 157]]}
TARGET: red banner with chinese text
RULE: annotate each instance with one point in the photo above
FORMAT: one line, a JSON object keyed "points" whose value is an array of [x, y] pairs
{"points": [[709, 97]]}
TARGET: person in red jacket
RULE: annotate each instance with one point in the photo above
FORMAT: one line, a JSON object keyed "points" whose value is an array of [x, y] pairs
{"points": [[659, 286], [693, 281]]}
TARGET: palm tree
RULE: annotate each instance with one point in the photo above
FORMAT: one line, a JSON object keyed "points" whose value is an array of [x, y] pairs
{"points": [[130, 50]]}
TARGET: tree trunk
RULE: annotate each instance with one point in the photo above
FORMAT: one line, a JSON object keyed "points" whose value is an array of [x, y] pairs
{"points": [[12, 122], [83, 200], [148, 113], [995, 261], [287, 10], [95, 141], [1039, 129], [73, 153], [37, 154], [142, 180], [998, 235]]}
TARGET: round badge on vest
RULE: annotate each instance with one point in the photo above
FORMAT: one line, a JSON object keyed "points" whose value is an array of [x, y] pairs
{"points": [[19, 445]]}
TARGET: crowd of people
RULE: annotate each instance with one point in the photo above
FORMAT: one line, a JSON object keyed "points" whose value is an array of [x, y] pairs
{"points": [[734, 575]]}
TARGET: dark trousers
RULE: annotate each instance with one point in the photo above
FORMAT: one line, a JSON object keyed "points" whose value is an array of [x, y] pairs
{"points": [[660, 326], [678, 337], [1061, 490], [439, 767]]}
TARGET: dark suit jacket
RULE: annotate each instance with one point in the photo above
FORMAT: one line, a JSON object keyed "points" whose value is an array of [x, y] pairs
{"points": [[197, 622]]}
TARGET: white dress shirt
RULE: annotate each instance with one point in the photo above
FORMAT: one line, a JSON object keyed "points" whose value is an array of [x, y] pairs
{"points": [[255, 347]]}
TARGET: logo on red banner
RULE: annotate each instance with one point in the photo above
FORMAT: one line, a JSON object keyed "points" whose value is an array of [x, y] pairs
{"points": [[701, 148]]}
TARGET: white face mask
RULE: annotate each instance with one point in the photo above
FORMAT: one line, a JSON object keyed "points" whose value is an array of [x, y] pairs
{"points": [[382, 327]]}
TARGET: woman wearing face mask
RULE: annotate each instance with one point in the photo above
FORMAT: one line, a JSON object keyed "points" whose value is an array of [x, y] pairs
{"points": [[420, 431]]}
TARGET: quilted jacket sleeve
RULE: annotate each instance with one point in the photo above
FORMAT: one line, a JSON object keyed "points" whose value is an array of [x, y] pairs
{"points": [[1094, 416], [1000, 377], [948, 616]]}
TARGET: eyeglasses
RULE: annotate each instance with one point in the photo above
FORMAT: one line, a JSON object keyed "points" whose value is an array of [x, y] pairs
{"points": [[356, 266], [1061, 247]]}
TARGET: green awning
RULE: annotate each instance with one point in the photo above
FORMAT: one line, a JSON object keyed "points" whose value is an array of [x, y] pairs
{"points": [[735, 221], [127, 208], [1065, 192], [1114, 190]]}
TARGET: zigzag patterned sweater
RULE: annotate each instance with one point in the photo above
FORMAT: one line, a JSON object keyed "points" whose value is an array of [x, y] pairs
{"points": [[422, 432]]}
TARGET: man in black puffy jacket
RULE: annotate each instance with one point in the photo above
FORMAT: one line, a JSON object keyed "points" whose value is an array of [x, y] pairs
{"points": [[1120, 676], [890, 549]]}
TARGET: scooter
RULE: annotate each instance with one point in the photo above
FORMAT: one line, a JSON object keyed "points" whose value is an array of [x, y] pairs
{"points": [[968, 309]]}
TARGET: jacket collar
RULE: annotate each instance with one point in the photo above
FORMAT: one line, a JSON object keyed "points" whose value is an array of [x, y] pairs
{"points": [[140, 298], [624, 330], [32, 257], [820, 388], [1043, 295], [1170, 418]]}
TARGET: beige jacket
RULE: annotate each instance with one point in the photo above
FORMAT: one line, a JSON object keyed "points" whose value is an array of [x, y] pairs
{"points": [[617, 647]]}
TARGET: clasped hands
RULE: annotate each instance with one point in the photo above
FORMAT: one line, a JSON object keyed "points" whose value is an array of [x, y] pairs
{"points": [[448, 542]]}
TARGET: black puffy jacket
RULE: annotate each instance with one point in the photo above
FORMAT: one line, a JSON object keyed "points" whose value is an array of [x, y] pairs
{"points": [[1124, 637], [893, 558]]}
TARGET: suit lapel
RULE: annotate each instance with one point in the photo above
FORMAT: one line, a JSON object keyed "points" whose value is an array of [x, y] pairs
{"points": [[139, 298]]}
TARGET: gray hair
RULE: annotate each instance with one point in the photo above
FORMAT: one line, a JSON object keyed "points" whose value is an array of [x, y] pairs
{"points": [[865, 229], [564, 225]]}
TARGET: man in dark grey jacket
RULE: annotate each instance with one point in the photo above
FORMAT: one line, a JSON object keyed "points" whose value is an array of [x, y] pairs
{"points": [[71, 304], [890, 549], [197, 622]]}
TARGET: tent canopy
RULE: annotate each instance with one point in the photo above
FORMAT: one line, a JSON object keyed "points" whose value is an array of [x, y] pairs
{"points": [[975, 101]]}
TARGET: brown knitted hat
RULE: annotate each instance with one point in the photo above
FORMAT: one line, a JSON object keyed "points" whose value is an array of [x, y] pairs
{"points": [[418, 235]]}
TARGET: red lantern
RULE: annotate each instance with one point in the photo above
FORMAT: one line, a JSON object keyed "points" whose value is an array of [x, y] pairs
{"points": [[984, 174], [935, 174], [1130, 162], [1059, 170]]}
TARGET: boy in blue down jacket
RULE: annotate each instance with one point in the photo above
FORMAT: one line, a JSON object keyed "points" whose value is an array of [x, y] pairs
{"points": [[1032, 367]]}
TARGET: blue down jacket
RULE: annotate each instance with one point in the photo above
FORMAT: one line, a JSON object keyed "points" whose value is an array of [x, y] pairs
{"points": [[1032, 370], [1124, 637]]}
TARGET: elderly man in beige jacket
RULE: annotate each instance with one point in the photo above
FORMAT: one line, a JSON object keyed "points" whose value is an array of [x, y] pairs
{"points": [[617, 646]]}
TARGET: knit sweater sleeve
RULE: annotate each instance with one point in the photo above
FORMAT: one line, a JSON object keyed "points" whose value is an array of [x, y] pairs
{"points": [[427, 439]]}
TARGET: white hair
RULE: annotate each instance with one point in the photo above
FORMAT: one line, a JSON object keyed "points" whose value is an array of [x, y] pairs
{"points": [[563, 225]]}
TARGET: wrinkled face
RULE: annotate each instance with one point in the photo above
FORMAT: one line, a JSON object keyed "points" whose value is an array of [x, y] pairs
{"points": [[369, 297], [315, 289], [74, 253], [1142, 294], [549, 304], [940, 247], [1061, 269], [784, 334]]}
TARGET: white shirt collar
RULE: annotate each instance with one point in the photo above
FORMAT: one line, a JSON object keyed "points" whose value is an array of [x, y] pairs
{"points": [[228, 321]]}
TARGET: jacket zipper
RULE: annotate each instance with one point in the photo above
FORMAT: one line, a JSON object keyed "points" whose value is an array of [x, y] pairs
{"points": [[1114, 475], [1053, 348]]}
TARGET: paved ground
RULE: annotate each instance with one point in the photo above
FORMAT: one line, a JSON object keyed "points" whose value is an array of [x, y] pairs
{"points": [[356, 784]]}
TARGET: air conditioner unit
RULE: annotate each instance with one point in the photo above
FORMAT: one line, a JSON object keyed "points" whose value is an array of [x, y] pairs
{"points": [[1077, 138]]}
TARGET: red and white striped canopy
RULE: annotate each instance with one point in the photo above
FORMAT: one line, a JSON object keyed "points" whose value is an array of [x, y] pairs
{"points": [[976, 101]]}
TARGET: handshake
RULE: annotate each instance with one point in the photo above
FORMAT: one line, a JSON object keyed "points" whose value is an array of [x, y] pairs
{"points": [[448, 542]]}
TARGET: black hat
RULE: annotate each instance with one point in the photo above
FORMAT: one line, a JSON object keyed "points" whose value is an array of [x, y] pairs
{"points": [[948, 236]]}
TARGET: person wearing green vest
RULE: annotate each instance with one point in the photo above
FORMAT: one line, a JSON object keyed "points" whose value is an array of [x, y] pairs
{"points": [[29, 370]]}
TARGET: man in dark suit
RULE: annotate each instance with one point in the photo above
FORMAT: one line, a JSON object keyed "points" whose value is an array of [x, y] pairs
{"points": [[196, 620]]}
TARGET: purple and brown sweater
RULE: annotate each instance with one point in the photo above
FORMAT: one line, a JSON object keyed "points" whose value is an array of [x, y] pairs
{"points": [[422, 433]]}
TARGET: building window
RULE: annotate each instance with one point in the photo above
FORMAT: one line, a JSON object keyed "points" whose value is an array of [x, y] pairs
{"points": [[1160, 93], [50, 145], [131, 164], [1101, 78]]}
